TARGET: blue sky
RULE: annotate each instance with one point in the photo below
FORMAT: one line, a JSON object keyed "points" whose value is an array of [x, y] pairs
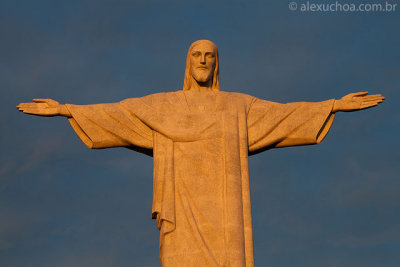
{"points": [[61, 204]]}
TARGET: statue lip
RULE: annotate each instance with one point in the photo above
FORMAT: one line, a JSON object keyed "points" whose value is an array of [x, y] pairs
{"points": [[202, 68]]}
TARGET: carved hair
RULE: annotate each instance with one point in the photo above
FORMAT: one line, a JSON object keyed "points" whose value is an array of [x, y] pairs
{"points": [[189, 80]]}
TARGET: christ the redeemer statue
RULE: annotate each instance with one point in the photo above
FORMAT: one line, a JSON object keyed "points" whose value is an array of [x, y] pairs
{"points": [[200, 139]]}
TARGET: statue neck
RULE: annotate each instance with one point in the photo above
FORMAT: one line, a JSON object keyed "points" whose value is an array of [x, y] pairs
{"points": [[201, 86]]}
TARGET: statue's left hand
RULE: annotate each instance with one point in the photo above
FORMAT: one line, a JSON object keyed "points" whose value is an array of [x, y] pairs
{"points": [[357, 101]]}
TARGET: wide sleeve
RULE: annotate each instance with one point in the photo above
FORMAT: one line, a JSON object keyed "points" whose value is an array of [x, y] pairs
{"points": [[273, 125], [110, 125]]}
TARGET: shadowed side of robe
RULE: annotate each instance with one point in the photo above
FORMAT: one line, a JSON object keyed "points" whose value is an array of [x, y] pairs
{"points": [[201, 141]]}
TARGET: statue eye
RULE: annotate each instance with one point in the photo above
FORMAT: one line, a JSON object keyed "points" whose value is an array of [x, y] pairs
{"points": [[196, 54]]}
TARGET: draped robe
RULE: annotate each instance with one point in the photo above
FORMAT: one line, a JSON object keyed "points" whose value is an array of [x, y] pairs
{"points": [[200, 142]]}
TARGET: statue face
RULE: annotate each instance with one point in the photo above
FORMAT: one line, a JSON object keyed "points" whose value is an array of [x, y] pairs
{"points": [[202, 61]]}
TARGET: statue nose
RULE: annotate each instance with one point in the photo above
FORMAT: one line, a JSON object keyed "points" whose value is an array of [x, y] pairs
{"points": [[203, 59]]}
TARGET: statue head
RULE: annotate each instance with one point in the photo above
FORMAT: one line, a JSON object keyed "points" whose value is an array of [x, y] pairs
{"points": [[202, 68]]}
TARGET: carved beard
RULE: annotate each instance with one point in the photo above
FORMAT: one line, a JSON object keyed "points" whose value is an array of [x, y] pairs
{"points": [[202, 76]]}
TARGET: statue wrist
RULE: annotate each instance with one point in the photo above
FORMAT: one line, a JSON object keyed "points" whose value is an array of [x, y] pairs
{"points": [[336, 106], [63, 111]]}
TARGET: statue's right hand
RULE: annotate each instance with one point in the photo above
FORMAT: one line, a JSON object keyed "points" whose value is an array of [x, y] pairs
{"points": [[43, 107]]}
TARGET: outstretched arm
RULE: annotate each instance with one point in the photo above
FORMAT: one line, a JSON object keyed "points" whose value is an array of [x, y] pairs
{"points": [[357, 101], [273, 125], [44, 107], [98, 125]]}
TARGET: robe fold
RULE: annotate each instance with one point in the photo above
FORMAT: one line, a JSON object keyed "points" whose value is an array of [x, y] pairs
{"points": [[200, 142]]}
